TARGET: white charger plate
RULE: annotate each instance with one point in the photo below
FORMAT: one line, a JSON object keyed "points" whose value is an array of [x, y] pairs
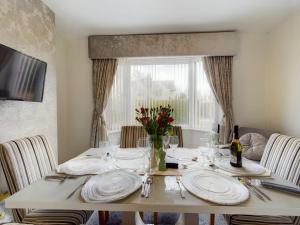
{"points": [[84, 165], [111, 186], [215, 187], [249, 167], [129, 154]]}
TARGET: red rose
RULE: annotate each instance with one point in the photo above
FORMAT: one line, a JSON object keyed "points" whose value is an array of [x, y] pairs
{"points": [[170, 119]]}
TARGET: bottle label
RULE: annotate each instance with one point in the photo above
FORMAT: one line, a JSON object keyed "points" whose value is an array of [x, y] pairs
{"points": [[233, 159]]}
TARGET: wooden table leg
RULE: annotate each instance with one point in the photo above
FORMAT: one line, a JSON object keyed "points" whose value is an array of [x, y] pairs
{"points": [[191, 218], [128, 218], [106, 214], [212, 219], [155, 218], [101, 216]]}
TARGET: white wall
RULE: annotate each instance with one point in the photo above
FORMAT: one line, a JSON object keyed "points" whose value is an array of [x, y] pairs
{"points": [[249, 80], [284, 77], [75, 97], [76, 110]]}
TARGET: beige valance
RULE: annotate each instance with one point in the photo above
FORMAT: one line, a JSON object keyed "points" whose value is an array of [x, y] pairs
{"points": [[180, 44]]}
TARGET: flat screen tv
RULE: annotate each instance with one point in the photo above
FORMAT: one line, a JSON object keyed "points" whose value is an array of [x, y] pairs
{"points": [[22, 77]]}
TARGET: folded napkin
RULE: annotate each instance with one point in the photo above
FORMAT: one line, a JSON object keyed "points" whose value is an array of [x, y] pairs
{"points": [[281, 187]]}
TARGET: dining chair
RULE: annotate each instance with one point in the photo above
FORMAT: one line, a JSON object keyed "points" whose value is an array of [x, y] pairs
{"points": [[26, 161], [139, 220], [131, 134], [282, 157]]}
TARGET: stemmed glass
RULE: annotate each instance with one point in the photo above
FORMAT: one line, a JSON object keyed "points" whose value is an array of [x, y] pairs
{"points": [[144, 144], [166, 140], [173, 142]]}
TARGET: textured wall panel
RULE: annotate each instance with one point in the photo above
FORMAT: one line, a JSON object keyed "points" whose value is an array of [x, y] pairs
{"points": [[29, 26], [143, 45]]}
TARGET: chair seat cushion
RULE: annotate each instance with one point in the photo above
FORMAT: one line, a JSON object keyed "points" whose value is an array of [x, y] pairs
{"points": [[253, 145], [258, 220], [52, 217]]}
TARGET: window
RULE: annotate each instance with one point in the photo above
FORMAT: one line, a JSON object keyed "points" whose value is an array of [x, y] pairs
{"points": [[178, 81]]}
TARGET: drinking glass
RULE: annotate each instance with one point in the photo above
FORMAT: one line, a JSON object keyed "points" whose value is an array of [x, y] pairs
{"points": [[144, 144], [105, 148], [207, 150], [166, 140], [173, 142]]}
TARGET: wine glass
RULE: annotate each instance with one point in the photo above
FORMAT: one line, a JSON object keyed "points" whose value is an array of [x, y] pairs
{"points": [[166, 140], [144, 144], [173, 142]]}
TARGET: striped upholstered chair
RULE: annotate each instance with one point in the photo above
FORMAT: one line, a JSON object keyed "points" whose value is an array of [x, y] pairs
{"points": [[282, 157], [131, 134], [25, 161]]}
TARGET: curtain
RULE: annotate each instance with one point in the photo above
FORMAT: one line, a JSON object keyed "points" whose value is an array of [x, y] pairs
{"points": [[219, 75], [103, 77]]}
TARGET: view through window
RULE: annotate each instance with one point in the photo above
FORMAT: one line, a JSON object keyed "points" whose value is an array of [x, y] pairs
{"points": [[151, 82]]}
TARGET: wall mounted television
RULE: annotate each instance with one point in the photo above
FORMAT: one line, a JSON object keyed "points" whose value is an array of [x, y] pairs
{"points": [[22, 77]]}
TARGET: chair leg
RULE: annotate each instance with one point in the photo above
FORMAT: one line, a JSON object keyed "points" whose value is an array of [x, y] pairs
{"points": [[106, 214], [212, 219], [101, 216], [155, 218]]}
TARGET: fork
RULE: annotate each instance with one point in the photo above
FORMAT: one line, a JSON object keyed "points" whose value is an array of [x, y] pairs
{"points": [[144, 180], [251, 189], [178, 180], [148, 185], [248, 181]]}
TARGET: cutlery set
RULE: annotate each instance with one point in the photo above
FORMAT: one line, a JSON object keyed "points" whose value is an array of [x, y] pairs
{"points": [[60, 177], [178, 180], [146, 185], [253, 189]]}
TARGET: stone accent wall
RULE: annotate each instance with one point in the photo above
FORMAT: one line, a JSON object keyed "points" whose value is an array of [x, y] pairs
{"points": [[29, 27]]}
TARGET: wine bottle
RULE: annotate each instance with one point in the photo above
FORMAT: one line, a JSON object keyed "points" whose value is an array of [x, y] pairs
{"points": [[236, 149]]}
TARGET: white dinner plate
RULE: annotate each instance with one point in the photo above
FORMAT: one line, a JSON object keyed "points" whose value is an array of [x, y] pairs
{"points": [[249, 167], [129, 154], [111, 186], [84, 165], [182, 153], [215, 187]]}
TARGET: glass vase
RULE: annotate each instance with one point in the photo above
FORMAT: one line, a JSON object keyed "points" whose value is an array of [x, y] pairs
{"points": [[158, 153]]}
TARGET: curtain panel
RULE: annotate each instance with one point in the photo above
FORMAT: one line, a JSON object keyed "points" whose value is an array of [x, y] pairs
{"points": [[219, 75], [104, 71]]}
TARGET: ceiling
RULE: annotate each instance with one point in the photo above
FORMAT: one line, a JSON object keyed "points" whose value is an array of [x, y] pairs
{"points": [[80, 18]]}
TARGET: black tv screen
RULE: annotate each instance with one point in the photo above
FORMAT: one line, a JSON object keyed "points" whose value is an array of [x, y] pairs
{"points": [[22, 77]]}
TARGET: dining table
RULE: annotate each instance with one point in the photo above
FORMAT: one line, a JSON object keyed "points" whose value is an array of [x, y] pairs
{"points": [[165, 195]]}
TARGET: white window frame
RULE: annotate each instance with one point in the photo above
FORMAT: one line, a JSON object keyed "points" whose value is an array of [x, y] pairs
{"points": [[191, 61]]}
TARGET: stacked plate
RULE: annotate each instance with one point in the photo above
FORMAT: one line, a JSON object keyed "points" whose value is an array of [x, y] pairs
{"points": [[215, 187], [249, 168], [111, 186], [84, 165]]}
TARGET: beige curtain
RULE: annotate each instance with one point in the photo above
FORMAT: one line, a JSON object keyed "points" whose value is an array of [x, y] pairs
{"points": [[219, 75], [103, 76]]}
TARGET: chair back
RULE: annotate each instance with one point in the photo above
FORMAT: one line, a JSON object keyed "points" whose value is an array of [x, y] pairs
{"points": [[282, 157], [25, 161], [131, 134]]}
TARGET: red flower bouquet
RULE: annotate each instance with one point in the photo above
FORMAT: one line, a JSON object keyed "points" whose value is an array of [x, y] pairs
{"points": [[156, 120]]}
